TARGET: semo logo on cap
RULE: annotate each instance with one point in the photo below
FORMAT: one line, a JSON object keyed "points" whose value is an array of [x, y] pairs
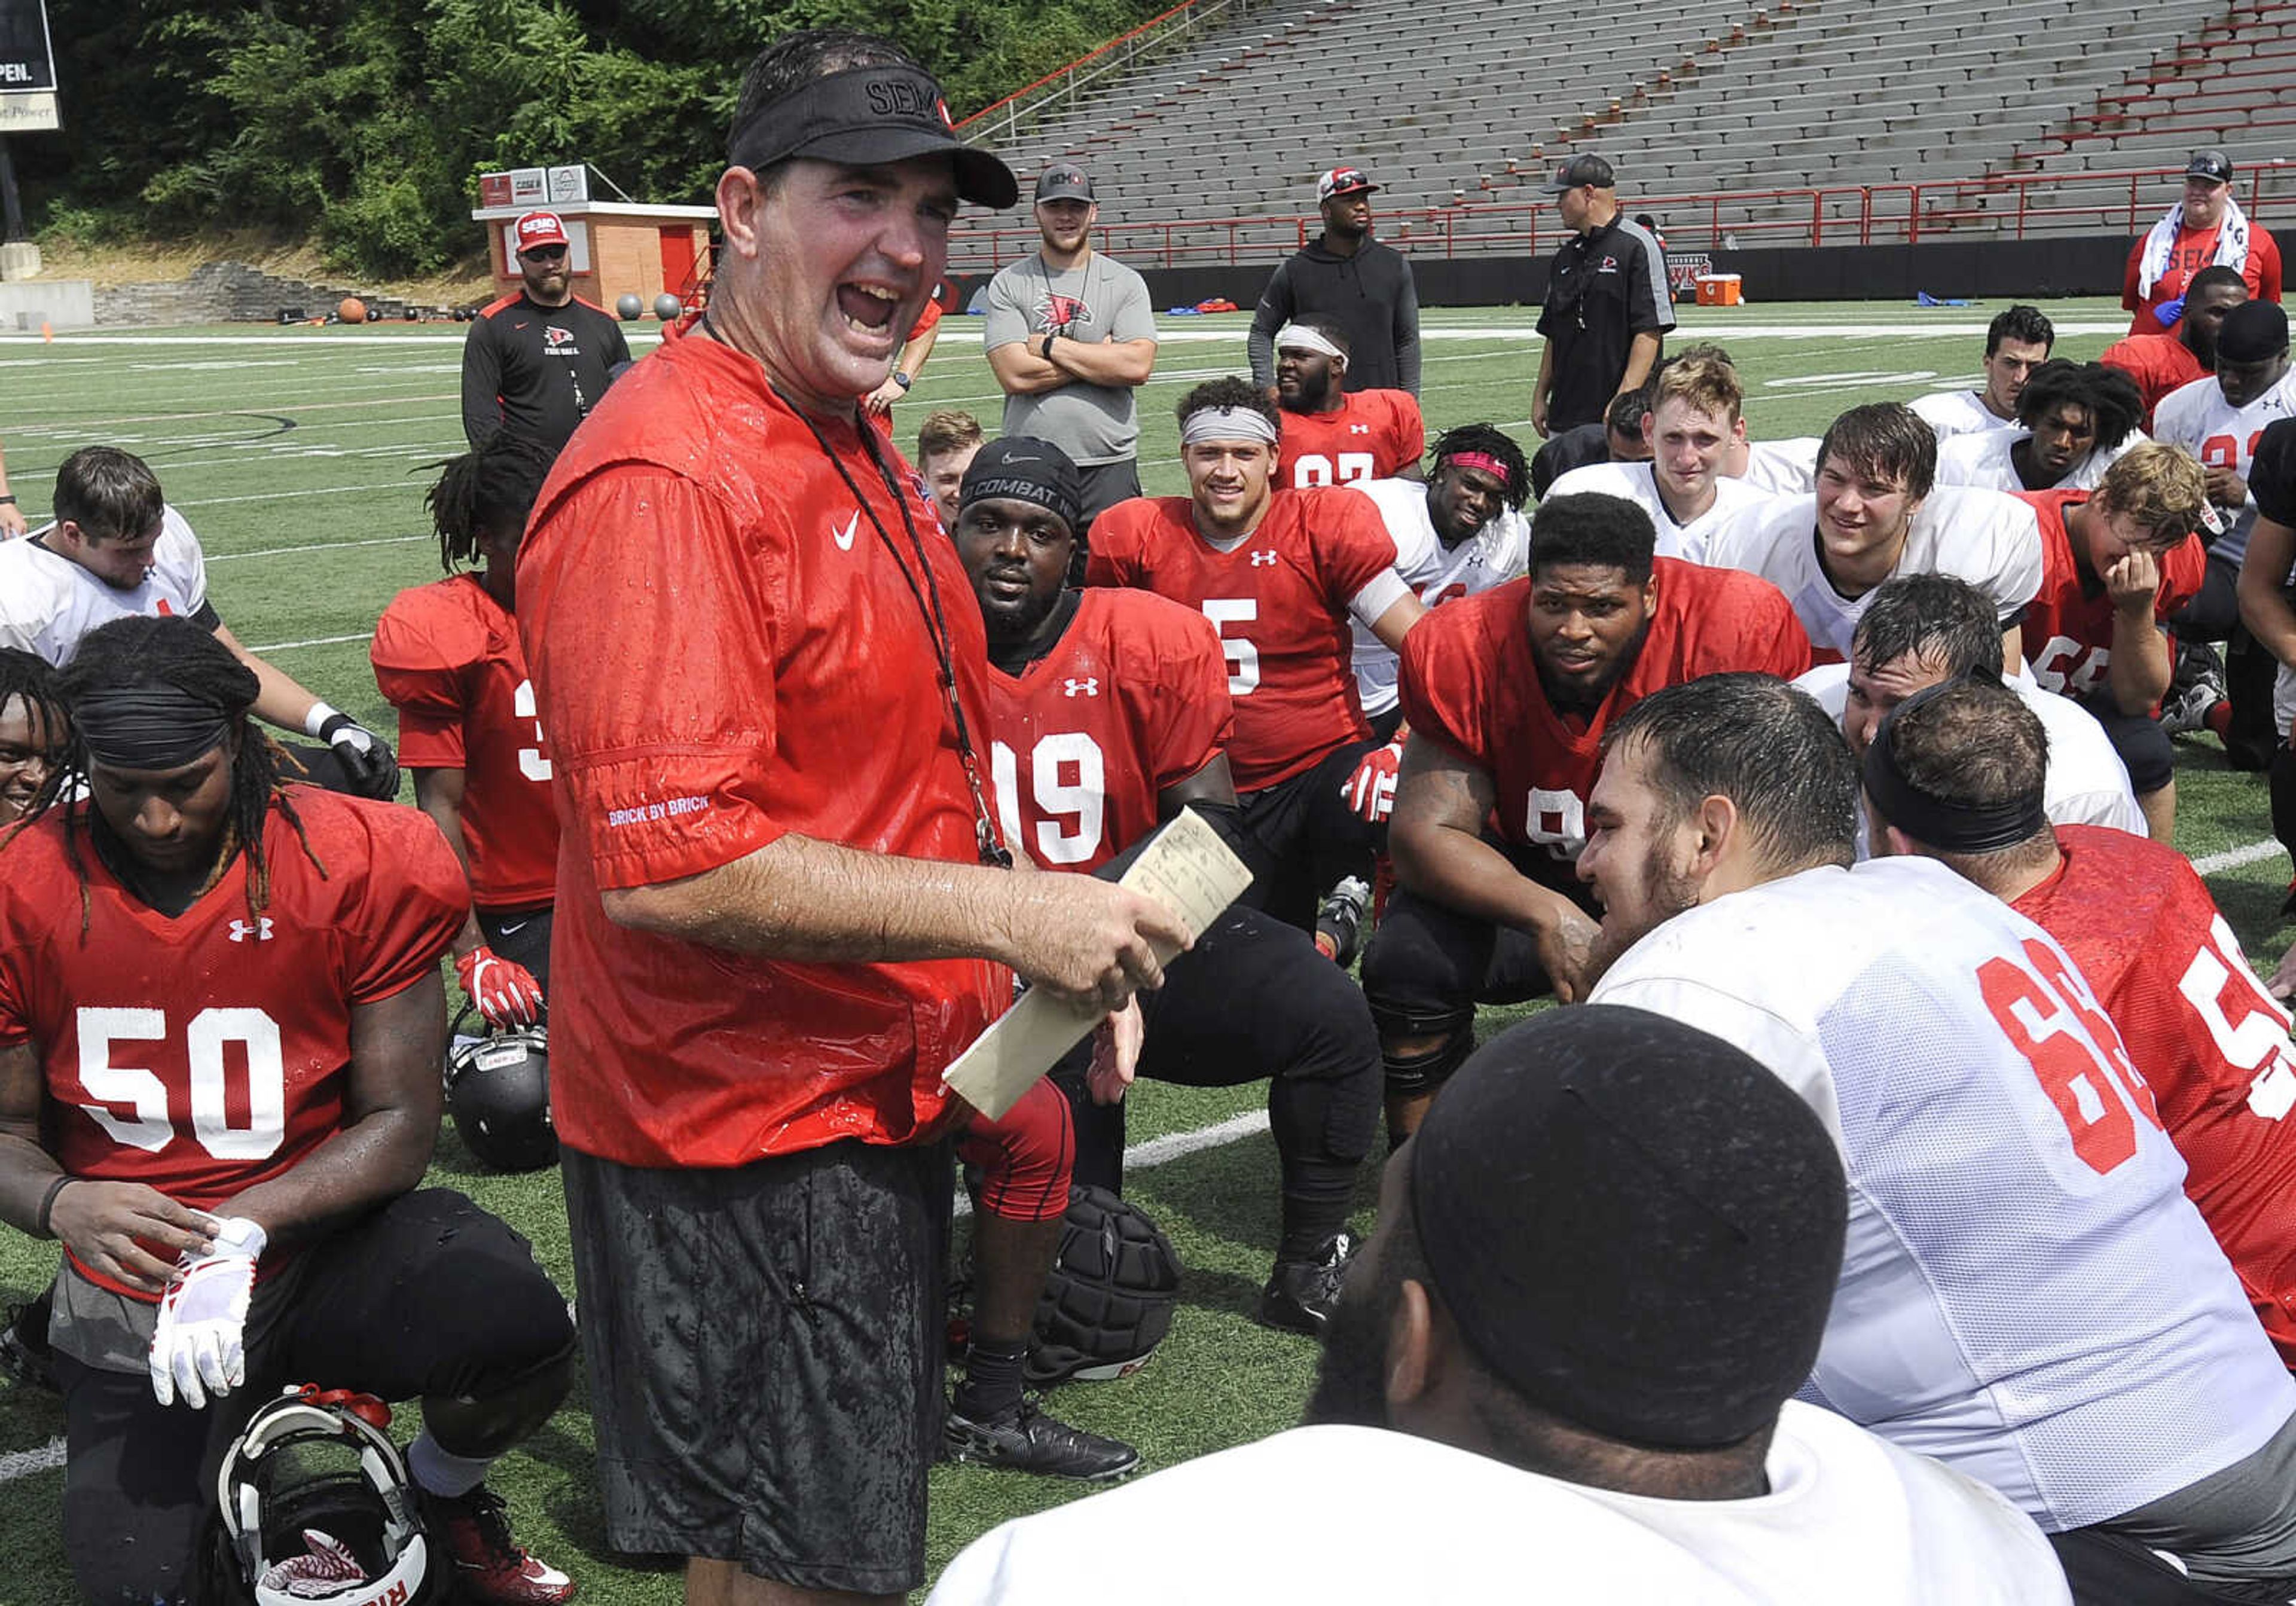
{"points": [[539, 229]]}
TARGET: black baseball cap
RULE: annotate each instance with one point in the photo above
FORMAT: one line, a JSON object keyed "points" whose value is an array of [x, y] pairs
{"points": [[1588, 170], [2212, 165], [1066, 182], [866, 117]]}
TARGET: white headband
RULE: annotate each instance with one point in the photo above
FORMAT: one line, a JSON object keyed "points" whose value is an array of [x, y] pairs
{"points": [[1225, 423], [1299, 337]]}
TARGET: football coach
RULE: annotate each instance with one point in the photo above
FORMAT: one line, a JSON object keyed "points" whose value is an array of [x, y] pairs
{"points": [[781, 906]]}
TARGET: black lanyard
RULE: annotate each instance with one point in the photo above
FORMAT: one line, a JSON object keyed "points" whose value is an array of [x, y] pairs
{"points": [[927, 597]]}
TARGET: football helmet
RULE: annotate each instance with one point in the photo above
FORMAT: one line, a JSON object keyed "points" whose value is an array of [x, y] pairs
{"points": [[313, 1505], [498, 1093], [1109, 1299]]}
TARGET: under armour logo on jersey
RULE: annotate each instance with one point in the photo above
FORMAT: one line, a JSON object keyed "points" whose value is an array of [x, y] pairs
{"points": [[844, 538], [261, 930], [1358, 429], [1263, 559], [1082, 688]]}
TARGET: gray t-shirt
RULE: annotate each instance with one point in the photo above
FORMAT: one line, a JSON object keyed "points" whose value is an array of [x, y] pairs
{"points": [[1099, 300]]}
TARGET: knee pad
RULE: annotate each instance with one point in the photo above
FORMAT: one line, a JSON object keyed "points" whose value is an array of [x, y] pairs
{"points": [[507, 1415], [1417, 1075]]}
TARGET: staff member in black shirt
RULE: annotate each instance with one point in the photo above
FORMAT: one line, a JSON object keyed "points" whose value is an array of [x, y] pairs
{"points": [[538, 361], [1607, 309]]}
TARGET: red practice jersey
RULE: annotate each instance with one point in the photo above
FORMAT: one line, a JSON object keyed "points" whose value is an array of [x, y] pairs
{"points": [[1470, 684], [1280, 599], [447, 657], [2140, 925], [2159, 364], [1132, 699], [2066, 629], [1371, 435], [205, 1053]]}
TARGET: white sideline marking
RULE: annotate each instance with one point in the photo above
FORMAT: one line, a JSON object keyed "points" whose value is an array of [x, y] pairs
{"points": [[280, 552], [24, 1463], [325, 490], [1174, 1145], [316, 641], [2232, 859]]}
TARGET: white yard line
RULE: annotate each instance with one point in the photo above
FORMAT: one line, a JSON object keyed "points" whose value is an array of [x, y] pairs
{"points": [[268, 648], [2232, 859], [280, 552], [24, 1463]]}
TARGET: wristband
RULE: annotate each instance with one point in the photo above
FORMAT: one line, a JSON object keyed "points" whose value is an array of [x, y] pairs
{"points": [[48, 1202], [1046, 348], [7, 502], [315, 721]]}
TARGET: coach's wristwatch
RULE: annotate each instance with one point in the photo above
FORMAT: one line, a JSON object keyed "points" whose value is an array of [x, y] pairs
{"points": [[1045, 350], [903, 379]]}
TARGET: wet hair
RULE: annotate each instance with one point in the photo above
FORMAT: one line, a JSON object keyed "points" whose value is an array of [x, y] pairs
{"points": [[1595, 529], [175, 653], [1939, 619], [1768, 748], [1228, 391], [487, 490], [795, 59], [2110, 398], [1627, 411], [1491, 442], [948, 431], [1884, 441], [1706, 384], [2028, 325], [1974, 746], [111, 495], [2160, 486]]}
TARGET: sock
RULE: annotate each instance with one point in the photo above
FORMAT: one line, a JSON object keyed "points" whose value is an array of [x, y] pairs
{"points": [[2219, 718], [991, 1388], [1309, 1223], [442, 1473]]}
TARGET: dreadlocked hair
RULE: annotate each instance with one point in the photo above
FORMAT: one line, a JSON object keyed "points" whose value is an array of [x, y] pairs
{"points": [[177, 653], [27, 675], [487, 490], [1492, 441]]}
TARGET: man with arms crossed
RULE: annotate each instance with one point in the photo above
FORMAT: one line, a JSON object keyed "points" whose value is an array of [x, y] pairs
{"points": [[780, 912]]}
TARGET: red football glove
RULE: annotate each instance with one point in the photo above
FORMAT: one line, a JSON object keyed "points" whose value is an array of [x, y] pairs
{"points": [[1370, 791], [505, 992]]}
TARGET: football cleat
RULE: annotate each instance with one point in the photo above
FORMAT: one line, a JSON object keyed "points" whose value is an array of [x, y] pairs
{"points": [[1340, 921], [1299, 1294], [2189, 709], [488, 1565], [1027, 1440]]}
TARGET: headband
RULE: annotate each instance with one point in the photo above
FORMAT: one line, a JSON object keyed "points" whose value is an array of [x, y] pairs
{"points": [[1939, 822], [1299, 337], [864, 117], [149, 727], [1485, 462], [1207, 424]]}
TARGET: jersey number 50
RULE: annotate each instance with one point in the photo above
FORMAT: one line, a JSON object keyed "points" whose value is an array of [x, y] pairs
{"points": [[147, 1124], [2074, 1050]]}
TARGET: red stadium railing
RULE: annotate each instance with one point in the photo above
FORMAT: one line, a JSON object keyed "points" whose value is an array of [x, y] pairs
{"points": [[2012, 206], [1003, 119]]}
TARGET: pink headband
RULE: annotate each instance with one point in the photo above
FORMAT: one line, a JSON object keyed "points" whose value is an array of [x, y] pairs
{"points": [[1485, 462]]}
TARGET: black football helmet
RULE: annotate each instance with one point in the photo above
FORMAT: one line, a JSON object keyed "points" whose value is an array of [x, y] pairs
{"points": [[1109, 1299], [498, 1093], [313, 1505]]}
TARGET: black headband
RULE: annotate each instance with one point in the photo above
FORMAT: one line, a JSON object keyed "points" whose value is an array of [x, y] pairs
{"points": [[1025, 470], [864, 117], [149, 727], [1940, 821]]}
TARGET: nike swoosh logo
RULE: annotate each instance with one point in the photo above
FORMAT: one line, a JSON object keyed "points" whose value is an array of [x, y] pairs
{"points": [[844, 538], [512, 928]]}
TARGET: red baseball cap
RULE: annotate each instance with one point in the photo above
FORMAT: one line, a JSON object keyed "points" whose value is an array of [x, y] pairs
{"points": [[539, 229]]}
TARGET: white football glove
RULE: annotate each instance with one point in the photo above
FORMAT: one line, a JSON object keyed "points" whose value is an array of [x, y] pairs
{"points": [[199, 1347]]}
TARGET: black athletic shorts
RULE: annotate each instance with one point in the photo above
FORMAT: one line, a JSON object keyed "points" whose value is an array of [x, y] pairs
{"points": [[521, 936], [429, 1296], [765, 1355], [1301, 838]]}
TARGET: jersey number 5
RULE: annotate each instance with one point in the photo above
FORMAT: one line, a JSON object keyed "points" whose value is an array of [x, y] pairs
{"points": [[1242, 657], [251, 1131], [2086, 1074]]}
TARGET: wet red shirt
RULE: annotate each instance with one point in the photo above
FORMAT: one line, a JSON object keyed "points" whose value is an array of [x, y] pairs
{"points": [[725, 649], [1469, 683], [204, 1053], [448, 659]]}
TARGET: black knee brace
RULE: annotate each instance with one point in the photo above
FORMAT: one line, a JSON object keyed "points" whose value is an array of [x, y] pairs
{"points": [[1416, 1075]]}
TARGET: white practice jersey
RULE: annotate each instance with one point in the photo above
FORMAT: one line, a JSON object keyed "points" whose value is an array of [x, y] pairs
{"points": [[1782, 468], [48, 602], [1436, 573], [2196, 417], [1989, 538], [1847, 1517], [1983, 461], [1954, 413], [2087, 785], [1637, 482], [2026, 1293]]}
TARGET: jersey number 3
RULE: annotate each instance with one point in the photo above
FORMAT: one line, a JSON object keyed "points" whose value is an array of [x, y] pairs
{"points": [[2097, 1093], [130, 1102]]}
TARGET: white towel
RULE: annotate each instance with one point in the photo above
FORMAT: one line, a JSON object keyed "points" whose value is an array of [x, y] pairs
{"points": [[2232, 245]]}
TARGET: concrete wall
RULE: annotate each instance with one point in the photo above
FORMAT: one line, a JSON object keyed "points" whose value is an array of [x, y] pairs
{"points": [[61, 303]]}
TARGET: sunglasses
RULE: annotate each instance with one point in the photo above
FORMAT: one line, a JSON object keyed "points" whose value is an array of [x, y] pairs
{"points": [[544, 253]]}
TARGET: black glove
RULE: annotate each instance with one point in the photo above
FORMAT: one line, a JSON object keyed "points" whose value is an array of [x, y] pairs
{"points": [[366, 757]]}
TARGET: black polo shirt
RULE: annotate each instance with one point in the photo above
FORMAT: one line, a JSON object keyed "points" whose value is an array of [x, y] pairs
{"points": [[1603, 288]]}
